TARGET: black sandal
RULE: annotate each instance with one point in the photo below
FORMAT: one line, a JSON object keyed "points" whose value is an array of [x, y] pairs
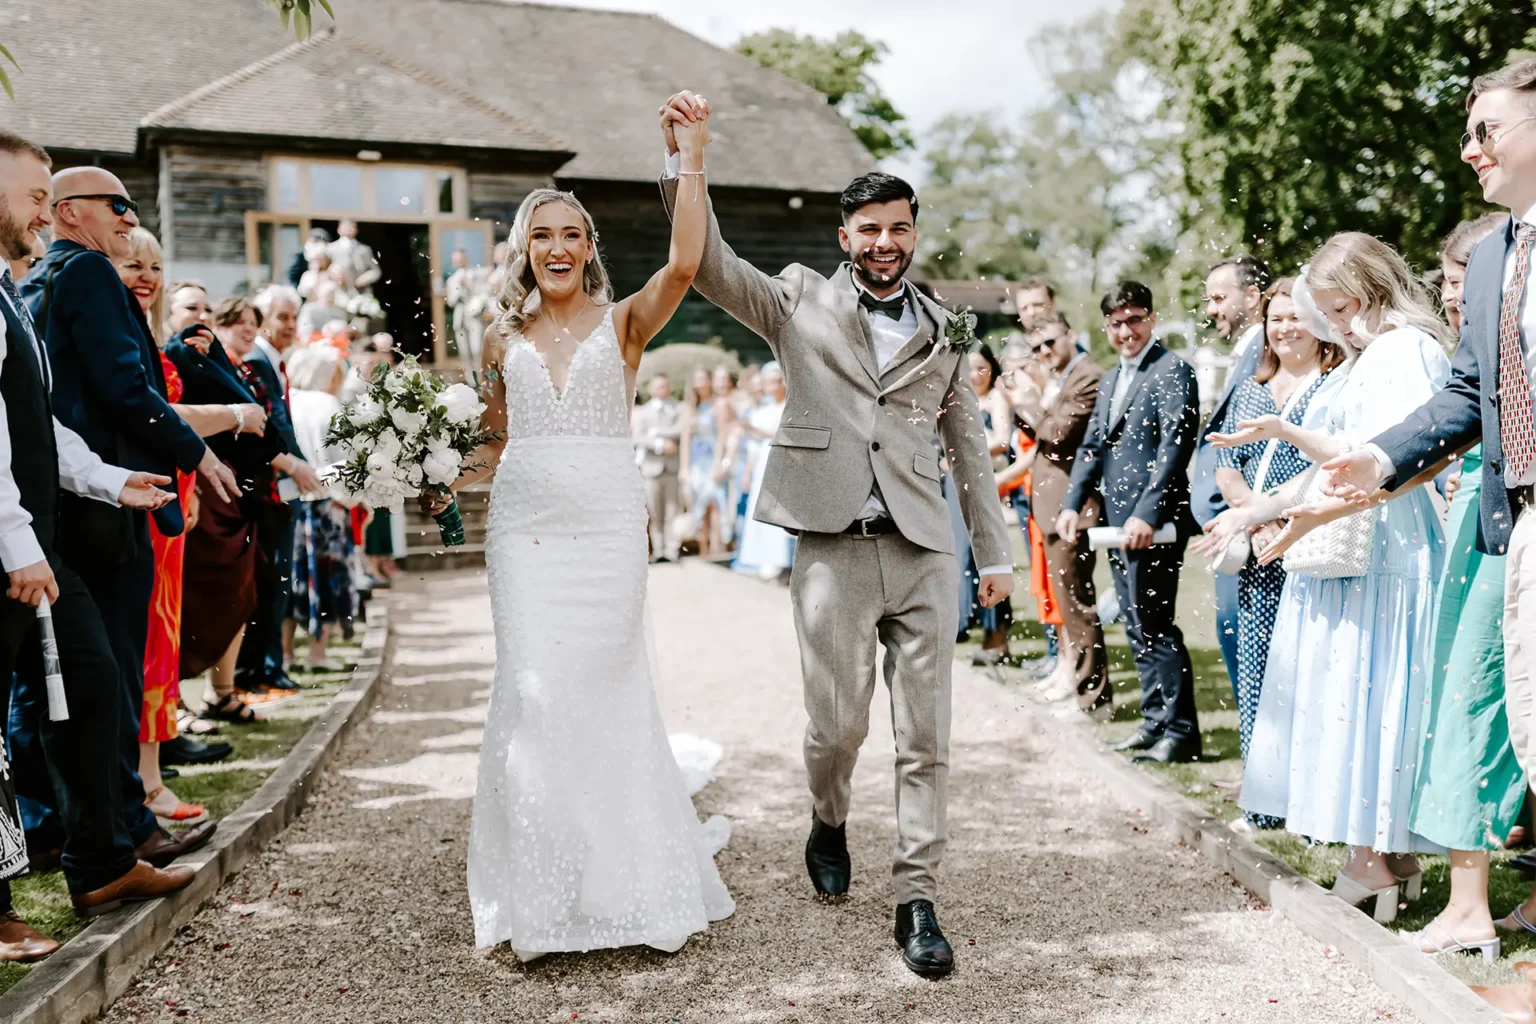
{"points": [[231, 708]]}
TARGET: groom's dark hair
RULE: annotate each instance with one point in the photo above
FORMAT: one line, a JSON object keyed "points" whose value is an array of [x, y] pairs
{"points": [[876, 187]]}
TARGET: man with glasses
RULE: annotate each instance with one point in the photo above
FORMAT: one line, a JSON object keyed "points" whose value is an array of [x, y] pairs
{"points": [[108, 386], [1146, 418], [1490, 393], [1057, 417]]}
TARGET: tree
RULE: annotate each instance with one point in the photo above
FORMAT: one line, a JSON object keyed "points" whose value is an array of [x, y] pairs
{"points": [[839, 69], [295, 14], [1301, 118]]}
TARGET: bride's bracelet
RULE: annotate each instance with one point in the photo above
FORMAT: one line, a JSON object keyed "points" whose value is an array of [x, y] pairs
{"points": [[239, 414]]}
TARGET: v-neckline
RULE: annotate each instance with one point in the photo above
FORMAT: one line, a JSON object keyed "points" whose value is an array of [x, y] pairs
{"points": [[560, 392]]}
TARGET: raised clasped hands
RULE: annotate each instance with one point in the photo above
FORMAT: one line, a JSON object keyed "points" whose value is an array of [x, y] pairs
{"points": [[1248, 431], [684, 119]]}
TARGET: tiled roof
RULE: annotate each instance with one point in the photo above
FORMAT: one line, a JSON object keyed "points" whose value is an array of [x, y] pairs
{"points": [[474, 72]]}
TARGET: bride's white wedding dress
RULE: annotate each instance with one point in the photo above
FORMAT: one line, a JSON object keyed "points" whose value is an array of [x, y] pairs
{"points": [[584, 836]]}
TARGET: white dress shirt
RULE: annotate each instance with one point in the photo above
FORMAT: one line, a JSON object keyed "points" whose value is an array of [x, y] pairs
{"points": [[889, 336], [81, 471], [1527, 321], [1123, 380]]}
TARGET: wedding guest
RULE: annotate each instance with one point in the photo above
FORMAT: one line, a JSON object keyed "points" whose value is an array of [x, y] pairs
{"points": [[1340, 718], [81, 754], [323, 308], [702, 454], [221, 559], [726, 399], [261, 665], [657, 428], [160, 741], [997, 419], [1234, 291], [108, 385], [1034, 299], [301, 262], [468, 297], [1139, 441], [1469, 784], [323, 595], [1057, 413], [1295, 370], [358, 269], [766, 550]]}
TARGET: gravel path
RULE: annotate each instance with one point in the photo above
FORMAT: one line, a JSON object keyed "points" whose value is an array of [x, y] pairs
{"points": [[1063, 906]]}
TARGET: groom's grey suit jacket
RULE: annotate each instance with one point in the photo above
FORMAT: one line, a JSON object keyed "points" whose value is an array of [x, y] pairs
{"points": [[847, 425]]}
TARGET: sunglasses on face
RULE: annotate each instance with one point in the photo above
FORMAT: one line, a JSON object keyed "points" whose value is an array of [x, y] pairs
{"points": [[1043, 345], [1486, 132], [120, 204]]}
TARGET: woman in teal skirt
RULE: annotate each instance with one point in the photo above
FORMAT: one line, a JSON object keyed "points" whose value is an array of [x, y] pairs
{"points": [[1468, 785]]}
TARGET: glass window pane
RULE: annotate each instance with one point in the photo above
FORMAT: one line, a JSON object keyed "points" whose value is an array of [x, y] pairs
{"points": [[399, 190], [266, 244], [444, 192], [335, 187], [287, 185]]}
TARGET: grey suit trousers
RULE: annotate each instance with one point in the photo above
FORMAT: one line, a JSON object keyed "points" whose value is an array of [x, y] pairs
{"points": [[849, 593]]}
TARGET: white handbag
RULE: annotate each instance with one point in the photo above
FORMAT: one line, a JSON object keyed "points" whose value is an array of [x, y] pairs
{"points": [[1335, 550]]}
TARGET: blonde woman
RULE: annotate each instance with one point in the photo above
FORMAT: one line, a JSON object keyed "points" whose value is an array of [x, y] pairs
{"points": [[1340, 717], [583, 833]]}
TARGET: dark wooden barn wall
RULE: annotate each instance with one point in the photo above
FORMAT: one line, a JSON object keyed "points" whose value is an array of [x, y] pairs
{"points": [[211, 189], [634, 234]]}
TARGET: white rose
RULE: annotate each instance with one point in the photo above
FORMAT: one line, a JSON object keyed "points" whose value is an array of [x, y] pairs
{"points": [[394, 383], [364, 411], [388, 443], [442, 466], [381, 466], [408, 423], [461, 403], [413, 475], [437, 442]]}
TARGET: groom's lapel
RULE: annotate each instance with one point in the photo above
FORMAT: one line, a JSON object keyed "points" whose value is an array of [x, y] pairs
{"points": [[922, 346], [854, 320]]}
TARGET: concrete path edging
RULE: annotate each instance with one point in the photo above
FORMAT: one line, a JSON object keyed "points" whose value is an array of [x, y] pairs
{"points": [[1433, 994], [95, 967]]}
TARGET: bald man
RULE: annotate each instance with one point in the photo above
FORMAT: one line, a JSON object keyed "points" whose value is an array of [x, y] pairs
{"points": [[108, 386]]}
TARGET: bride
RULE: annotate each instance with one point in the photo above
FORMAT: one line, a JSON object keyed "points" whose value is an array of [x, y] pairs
{"points": [[584, 835]]}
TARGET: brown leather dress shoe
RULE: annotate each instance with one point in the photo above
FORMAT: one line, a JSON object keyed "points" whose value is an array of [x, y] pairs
{"points": [[163, 847], [20, 943], [144, 882]]}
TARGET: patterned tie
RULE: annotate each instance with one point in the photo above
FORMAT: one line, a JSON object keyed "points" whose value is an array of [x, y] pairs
{"points": [[22, 312], [1517, 427]]}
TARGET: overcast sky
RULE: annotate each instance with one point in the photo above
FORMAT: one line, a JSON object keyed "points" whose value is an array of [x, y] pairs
{"points": [[963, 55]]}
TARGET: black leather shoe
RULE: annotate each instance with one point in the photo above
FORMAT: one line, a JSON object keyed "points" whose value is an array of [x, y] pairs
{"points": [[167, 774], [1142, 739], [186, 750], [924, 949], [163, 847], [1525, 863], [826, 858], [1169, 750]]}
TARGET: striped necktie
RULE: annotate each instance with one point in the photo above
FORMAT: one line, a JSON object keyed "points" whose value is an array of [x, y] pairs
{"points": [[8, 287], [1517, 426]]}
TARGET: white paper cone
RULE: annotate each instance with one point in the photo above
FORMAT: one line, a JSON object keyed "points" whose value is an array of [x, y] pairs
{"points": [[53, 675]]}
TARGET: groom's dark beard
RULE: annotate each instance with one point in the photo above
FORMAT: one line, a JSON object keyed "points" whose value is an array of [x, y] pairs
{"points": [[873, 279]]}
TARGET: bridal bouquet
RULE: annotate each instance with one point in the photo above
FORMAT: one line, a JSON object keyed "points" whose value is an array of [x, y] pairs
{"points": [[408, 433], [365, 306]]}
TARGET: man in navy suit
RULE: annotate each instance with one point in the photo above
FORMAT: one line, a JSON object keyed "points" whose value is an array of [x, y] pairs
{"points": [[1234, 297], [1490, 393], [108, 386], [1135, 455]]}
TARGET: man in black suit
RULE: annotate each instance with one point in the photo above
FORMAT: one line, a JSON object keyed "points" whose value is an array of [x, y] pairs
{"points": [[1143, 432], [108, 386], [1234, 300], [38, 456]]}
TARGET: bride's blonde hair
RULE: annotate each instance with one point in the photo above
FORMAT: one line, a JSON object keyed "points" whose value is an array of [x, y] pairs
{"points": [[518, 304], [1370, 270]]}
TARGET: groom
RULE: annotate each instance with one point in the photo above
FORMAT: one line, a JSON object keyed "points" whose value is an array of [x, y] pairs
{"points": [[878, 394]]}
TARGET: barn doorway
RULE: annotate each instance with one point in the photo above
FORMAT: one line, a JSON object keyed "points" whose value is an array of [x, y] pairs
{"points": [[404, 289]]}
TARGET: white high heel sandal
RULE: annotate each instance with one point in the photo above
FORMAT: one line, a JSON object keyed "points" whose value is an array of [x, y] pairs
{"points": [[1354, 893], [1489, 948], [1413, 886]]}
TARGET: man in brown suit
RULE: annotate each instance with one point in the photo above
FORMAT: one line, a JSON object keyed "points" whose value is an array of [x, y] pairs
{"points": [[1056, 414]]}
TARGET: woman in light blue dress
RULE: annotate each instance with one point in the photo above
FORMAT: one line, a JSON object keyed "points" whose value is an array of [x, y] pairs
{"points": [[765, 550], [1340, 719], [703, 468]]}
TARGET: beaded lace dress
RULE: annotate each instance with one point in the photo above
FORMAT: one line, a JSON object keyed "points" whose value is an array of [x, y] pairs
{"points": [[584, 836]]}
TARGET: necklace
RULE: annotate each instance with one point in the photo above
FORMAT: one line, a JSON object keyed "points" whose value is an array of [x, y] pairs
{"points": [[566, 327]]}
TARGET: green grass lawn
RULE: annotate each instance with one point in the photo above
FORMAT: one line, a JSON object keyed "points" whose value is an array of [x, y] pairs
{"points": [[44, 900], [1211, 782]]}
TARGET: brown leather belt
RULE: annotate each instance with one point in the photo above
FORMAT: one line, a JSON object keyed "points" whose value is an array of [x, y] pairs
{"points": [[877, 527]]}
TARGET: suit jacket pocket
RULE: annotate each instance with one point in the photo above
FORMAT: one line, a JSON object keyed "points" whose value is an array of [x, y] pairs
{"points": [[923, 465], [794, 435]]}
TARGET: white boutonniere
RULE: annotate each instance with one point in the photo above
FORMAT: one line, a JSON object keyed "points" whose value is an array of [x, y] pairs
{"points": [[960, 332]]}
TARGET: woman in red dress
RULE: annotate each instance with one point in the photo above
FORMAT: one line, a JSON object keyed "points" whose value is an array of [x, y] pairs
{"points": [[142, 270]]}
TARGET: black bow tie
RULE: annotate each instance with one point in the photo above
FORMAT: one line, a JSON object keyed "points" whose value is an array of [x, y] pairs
{"points": [[892, 307]]}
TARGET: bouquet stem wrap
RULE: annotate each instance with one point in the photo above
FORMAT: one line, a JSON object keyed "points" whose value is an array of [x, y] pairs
{"points": [[450, 525]]}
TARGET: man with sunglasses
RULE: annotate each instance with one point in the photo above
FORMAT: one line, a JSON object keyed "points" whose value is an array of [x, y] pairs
{"points": [[1135, 456], [1057, 417], [108, 386], [1491, 388]]}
